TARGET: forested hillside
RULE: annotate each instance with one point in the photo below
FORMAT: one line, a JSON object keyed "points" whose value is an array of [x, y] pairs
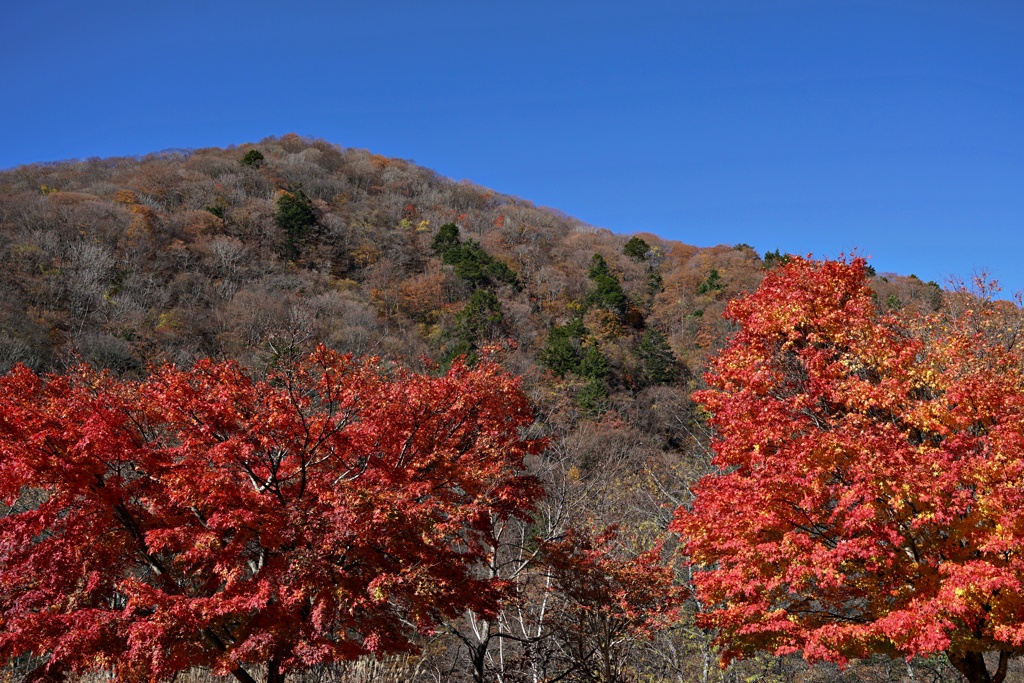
{"points": [[261, 252]]}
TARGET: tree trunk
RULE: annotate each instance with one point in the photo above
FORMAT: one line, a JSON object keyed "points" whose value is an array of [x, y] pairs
{"points": [[274, 674], [972, 666], [242, 676], [479, 656]]}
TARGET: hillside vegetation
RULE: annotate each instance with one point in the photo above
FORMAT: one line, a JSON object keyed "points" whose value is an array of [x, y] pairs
{"points": [[261, 252]]}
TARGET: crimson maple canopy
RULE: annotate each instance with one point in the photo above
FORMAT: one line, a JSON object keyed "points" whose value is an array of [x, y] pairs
{"points": [[203, 517]]}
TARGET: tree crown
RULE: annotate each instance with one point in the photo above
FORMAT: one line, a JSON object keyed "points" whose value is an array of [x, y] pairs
{"points": [[206, 517], [870, 495]]}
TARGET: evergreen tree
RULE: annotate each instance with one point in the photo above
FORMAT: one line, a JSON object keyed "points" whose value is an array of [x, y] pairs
{"points": [[569, 350], [655, 283], [592, 398], [253, 158], [658, 364], [636, 249], [714, 283], [773, 259], [470, 261], [296, 215], [598, 267], [446, 241], [593, 363], [562, 351], [607, 292], [479, 321], [500, 272]]}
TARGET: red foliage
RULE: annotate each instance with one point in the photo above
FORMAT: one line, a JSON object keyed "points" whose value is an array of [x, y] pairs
{"points": [[206, 518], [608, 596], [870, 496]]}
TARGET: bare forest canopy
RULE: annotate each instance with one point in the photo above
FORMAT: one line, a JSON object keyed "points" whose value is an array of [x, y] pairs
{"points": [[207, 253], [263, 251]]}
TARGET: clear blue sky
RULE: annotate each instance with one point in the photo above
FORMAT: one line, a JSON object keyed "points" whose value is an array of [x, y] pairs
{"points": [[810, 126]]}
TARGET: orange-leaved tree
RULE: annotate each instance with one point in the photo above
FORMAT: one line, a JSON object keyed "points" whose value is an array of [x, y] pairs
{"points": [[870, 488], [205, 517], [604, 599]]}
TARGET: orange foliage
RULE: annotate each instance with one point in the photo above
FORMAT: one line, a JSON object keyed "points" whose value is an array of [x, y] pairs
{"points": [[871, 487]]}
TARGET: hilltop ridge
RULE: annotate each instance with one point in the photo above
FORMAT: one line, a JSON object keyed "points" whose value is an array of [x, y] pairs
{"points": [[179, 254]]}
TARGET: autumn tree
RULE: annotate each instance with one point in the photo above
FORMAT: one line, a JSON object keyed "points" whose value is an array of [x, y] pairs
{"points": [[205, 517], [606, 598], [870, 492]]}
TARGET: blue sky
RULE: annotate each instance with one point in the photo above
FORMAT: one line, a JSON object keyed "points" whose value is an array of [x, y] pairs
{"points": [[896, 128]]}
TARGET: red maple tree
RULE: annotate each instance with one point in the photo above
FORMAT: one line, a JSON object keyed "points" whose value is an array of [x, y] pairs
{"points": [[605, 598], [870, 492], [203, 517]]}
